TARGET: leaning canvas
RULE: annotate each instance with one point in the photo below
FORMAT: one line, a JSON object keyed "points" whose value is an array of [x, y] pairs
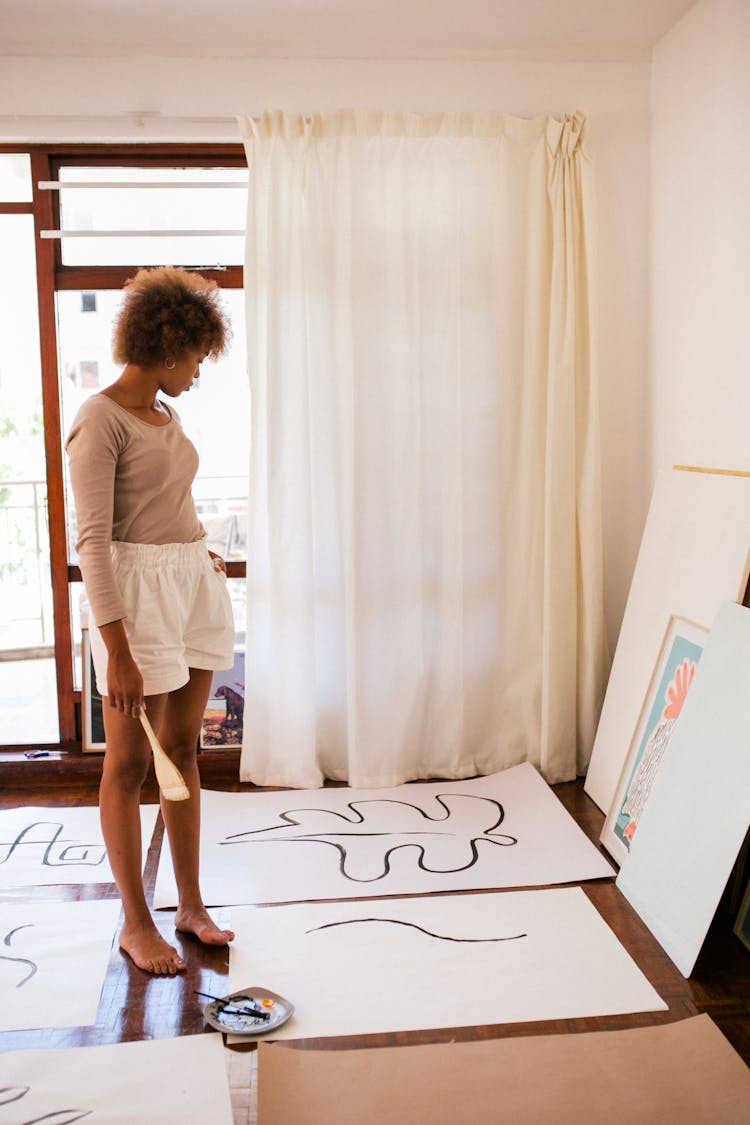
{"points": [[698, 811], [695, 553]]}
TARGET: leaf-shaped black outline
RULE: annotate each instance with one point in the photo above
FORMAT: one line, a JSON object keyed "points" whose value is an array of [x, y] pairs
{"points": [[288, 817]]}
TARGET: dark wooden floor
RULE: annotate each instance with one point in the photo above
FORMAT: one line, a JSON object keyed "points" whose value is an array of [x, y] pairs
{"points": [[136, 1006]]}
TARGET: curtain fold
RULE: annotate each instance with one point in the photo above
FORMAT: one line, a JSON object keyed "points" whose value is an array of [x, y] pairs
{"points": [[424, 572]]}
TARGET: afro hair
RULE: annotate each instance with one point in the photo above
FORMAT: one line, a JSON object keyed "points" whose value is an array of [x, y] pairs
{"points": [[169, 312]]}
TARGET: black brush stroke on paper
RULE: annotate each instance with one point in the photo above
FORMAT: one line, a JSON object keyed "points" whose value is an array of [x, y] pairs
{"points": [[73, 854], [20, 960], [10, 1094], [59, 1117], [489, 836], [414, 926]]}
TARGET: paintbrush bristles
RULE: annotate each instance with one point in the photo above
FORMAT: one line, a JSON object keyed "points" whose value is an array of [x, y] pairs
{"points": [[171, 782], [178, 793]]}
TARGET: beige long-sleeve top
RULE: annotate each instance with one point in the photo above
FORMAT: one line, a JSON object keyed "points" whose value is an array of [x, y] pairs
{"points": [[132, 483]]}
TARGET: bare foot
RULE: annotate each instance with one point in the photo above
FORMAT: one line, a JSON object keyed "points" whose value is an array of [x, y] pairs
{"points": [[149, 950], [201, 924]]}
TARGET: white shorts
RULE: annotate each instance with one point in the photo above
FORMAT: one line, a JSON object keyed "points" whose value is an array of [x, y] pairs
{"points": [[178, 614]]}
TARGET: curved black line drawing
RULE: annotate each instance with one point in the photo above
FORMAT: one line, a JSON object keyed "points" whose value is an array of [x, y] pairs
{"points": [[355, 835], [57, 1118], [73, 853], [359, 818], [15, 1093], [20, 960], [289, 818], [10, 1094], [10, 933], [414, 926]]}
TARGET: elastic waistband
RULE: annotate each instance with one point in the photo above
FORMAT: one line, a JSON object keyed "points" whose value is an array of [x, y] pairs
{"points": [[160, 554]]}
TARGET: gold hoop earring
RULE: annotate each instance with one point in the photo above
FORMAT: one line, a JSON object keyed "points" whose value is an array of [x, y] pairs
{"points": [[170, 364]]}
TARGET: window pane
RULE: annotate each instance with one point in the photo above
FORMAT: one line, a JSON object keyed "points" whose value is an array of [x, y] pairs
{"points": [[140, 208], [238, 593], [28, 701], [215, 415], [28, 691], [15, 178]]}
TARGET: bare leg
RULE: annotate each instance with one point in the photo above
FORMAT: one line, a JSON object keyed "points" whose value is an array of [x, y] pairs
{"points": [[125, 765], [178, 733]]}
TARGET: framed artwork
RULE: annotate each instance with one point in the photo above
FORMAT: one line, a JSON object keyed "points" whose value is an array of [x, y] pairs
{"points": [[742, 925], [672, 675], [93, 719], [223, 718]]}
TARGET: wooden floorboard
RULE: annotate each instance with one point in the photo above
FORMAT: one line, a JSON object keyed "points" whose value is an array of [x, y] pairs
{"points": [[137, 1006]]}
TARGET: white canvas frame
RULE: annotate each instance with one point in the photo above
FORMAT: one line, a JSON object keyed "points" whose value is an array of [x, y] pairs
{"points": [[695, 554]]}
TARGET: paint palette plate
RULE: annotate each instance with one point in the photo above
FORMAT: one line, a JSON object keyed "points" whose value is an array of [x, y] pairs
{"points": [[232, 1014]]}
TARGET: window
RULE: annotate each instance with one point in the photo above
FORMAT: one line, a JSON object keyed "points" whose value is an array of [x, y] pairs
{"points": [[28, 700], [103, 212], [124, 215]]}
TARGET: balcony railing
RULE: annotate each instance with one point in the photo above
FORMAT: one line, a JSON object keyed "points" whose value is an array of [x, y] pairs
{"points": [[26, 628], [25, 584]]}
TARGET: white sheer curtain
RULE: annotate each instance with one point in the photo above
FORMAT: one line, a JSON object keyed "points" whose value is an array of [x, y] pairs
{"points": [[424, 571]]}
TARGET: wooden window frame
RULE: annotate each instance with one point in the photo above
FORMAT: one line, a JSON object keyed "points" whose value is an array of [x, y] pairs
{"points": [[52, 276]]}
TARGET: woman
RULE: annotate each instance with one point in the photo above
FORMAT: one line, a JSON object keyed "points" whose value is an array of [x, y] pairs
{"points": [[158, 597]]}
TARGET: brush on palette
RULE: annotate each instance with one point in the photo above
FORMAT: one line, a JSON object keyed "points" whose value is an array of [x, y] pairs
{"points": [[171, 782]]}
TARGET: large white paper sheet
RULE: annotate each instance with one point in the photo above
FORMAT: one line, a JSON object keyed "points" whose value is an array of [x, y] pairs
{"points": [[172, 1081], [446, 961], [505, 830], [43, 846], [695, 553], [53, 960], [698, 810]]}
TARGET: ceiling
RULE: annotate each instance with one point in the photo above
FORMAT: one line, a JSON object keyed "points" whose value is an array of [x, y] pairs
{"points": [[395, 29]]}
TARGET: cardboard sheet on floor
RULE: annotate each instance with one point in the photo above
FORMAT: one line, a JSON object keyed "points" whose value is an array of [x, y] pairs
{"points": [[445, 961], [53, 960], [698, 810], [505, 830], [43, 846], [694, 554], [684, 1072], [172, 1081]]}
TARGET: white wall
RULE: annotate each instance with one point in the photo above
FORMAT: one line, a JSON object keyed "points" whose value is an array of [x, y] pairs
{"points": [[700, 366], [97, 99]]}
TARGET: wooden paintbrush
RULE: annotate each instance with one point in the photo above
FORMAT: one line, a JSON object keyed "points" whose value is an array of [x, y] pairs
{"points": [[171, 781]]}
